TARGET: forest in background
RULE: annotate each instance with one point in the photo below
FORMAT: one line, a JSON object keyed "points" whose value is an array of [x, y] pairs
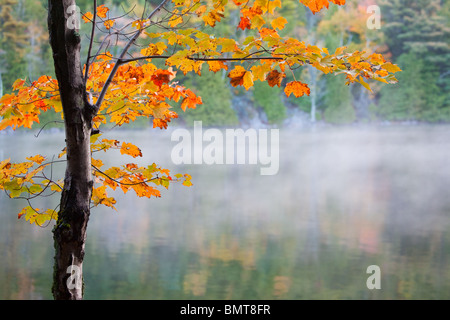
{"points": [[415, 34]]}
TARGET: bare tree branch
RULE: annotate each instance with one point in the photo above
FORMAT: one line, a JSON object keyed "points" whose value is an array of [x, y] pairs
{"points": [[123, 61]]}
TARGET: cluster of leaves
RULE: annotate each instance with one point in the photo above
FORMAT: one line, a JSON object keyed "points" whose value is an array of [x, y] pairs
{"points": [[271, 55], [28, 180], [128, 176], [136, 91], [123, 89]]}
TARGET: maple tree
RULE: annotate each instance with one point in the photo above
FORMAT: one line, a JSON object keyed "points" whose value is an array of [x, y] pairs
{"points": [[118, 89]]}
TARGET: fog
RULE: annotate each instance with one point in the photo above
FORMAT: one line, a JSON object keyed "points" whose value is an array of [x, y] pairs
{"points": [[344, 198]]}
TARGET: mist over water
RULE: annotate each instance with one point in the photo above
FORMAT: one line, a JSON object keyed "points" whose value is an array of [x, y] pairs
{"points": [[342, 200]]}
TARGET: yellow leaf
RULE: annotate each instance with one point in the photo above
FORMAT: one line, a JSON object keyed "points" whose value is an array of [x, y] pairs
{"points": [[94, 137], [272, 5], [212, 17], [176, 20], [364, 84], [257, 22], [56, 104], [187, 183], [99, 196], [259, 72], [159, 110], [228, 45], [279, 23], [389, 67], [34, 216], [248, 80], [97, 162], [340, 51]]}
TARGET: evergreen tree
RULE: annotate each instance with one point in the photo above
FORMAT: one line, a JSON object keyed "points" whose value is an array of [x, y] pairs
{"points": [[270, 100], [417, 34], [417, 95], [216, 109], [13, 41], [338, 102]]}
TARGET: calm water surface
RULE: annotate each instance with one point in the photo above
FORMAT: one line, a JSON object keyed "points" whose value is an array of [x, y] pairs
{"points": [[343, 199]]}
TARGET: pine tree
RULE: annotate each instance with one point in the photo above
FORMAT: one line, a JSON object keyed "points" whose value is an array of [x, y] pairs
{"points": [[13, 41], [417, 34]]}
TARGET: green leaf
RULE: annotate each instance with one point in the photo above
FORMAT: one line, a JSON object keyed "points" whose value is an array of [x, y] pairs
{"points": [[94, 137], [35, 188]]}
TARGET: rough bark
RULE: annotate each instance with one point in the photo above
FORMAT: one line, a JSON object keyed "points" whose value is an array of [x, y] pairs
{"points": [[69, 232]]}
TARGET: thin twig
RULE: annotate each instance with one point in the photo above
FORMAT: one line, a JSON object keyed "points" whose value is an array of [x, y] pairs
{"points": [[90, 44]]}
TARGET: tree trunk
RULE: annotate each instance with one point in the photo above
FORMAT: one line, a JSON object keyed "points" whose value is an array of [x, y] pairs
{"points": [[69, 232]]}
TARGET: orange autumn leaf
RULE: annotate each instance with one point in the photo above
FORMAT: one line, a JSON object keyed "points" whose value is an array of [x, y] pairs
{"points": [[159, 123], [87, 17], [215, 66], [131, 150], [245, 23], [190, 101], [131, 166], [108, 24], [106, 56], [18, 84], [382, 73], [161, 76], [38, 159], [317, 5], [241, 77], [297, 88], [102, 10], [274, 78], [237, 76], [159, 110]]}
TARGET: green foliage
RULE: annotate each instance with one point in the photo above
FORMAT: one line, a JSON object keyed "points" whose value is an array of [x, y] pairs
{"points": [[338, 102], [416, 96], [216, 109], [13, 41], [417, 34], [270, 100]]}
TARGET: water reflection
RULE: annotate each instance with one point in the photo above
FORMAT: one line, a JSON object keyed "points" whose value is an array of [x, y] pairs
{"points": [[343, 199]]}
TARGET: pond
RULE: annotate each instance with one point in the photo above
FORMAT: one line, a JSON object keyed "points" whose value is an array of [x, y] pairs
{"points": [[343, 199]]}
